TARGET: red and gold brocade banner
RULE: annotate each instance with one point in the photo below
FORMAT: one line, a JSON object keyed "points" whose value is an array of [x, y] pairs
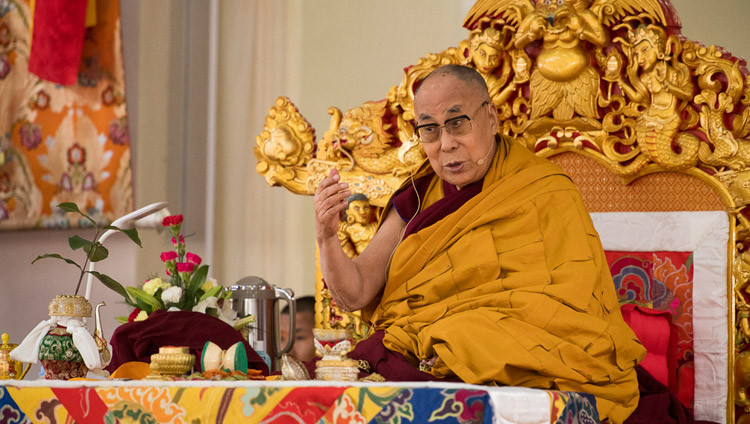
{"points": [[62, 143]]}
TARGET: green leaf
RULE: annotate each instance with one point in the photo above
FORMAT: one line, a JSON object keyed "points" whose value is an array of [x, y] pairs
{"points": [[110, 283], [72, 207], [197, 280], [96, 252], [69, 207], [132, 233], [122, 320], [212, 292], [56, 256], [144, 297], [142, 306], [77, 242]]}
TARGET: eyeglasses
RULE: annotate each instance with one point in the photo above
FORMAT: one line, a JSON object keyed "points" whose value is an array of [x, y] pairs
{"points": [[459, 125]]}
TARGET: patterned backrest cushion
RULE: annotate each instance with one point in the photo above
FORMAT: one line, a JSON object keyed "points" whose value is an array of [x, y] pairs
{"points": [[651, 256]]}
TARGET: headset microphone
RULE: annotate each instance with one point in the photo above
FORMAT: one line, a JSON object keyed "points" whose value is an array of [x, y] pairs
{"points": [[480, 162]]}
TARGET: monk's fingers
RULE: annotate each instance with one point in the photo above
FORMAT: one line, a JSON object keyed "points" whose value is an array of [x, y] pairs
{"points": [[332, 210], [330, 190], [329, 195], [331, 180], [333, 204]]}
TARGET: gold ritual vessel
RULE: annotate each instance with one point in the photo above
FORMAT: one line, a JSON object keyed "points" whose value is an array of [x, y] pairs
{"points": [[172, 361], [10, 369]]}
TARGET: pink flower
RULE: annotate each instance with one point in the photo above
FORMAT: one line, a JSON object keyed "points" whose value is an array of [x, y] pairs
{"points": [[185, 267], [168, 256], [182, 240], [171, 220], [193, 258]]}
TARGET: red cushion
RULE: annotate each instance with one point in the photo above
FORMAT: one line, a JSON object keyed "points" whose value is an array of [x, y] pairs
{"points": [[652, 327]]}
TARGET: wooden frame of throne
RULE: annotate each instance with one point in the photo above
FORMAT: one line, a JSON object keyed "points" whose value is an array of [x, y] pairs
{"points": [[653, 128]]}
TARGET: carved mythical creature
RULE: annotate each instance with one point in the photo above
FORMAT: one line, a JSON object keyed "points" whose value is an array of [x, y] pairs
{"points": [[741, 270], [728, 150], [360, 135], [563, 82], [485, 51], [660, 86]]}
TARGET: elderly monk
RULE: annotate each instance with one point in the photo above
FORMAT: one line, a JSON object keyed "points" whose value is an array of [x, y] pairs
{"points": [[486, 267]]}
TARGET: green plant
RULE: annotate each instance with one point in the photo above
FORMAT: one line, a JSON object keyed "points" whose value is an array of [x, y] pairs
{"points": [[93, 249]]}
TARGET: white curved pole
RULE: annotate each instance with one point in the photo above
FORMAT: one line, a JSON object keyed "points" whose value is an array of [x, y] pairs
{"points": [[124, 222]]}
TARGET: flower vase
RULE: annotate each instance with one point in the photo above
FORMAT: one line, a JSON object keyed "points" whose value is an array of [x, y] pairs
{"points": [[57, 353]]}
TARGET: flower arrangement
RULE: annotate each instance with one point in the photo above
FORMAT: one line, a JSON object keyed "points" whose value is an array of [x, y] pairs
{"points": [[94, 250], [185, 288]]}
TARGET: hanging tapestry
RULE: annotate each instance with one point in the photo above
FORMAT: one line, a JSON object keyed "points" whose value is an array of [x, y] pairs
{"points": [[63, 124]]}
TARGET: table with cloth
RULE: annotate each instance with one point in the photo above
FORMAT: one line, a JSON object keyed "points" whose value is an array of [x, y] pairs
{"points": [[287, 401]]}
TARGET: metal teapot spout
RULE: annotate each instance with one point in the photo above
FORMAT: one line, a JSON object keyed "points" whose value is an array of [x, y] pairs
{"points": [[101, 343]]}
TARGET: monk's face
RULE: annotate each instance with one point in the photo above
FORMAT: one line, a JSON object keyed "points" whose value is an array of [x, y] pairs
{"points": [[457, 159]]}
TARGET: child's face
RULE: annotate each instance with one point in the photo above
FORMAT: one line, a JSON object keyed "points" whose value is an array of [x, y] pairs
{"points": [[304, 348]]}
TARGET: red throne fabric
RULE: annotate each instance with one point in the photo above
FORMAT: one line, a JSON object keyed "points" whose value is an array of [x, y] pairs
{"points": [[660, 284], [652, 327], [137, 341]]}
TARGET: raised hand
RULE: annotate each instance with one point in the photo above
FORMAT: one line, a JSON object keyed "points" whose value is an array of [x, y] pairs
{"points": [[329, 201]]}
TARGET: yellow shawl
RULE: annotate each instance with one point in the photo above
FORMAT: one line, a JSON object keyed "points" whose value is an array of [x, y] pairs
{"points": [[513, 289]]}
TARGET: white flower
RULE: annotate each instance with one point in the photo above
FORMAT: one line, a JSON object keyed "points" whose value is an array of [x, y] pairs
{"points": [[226, 313], [210, 302], [172, 295]]}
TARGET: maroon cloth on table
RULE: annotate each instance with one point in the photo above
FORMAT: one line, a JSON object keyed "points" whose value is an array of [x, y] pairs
{"points": [[407, 201], [137, 341]]}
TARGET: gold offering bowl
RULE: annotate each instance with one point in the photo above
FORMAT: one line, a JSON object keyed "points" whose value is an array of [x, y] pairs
{"points": [[172, 361], [332, 334]]}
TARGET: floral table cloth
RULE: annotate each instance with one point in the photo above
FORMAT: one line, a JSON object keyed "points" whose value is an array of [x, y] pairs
{"points": [[286, 402]]}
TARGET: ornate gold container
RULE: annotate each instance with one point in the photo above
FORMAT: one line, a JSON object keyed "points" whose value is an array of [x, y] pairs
{"points": [[71, 306], [10, 369], [333, 345], [172, 361]]}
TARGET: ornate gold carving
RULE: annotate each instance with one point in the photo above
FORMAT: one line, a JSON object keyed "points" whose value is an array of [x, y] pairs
{"points": [[286, 143], [661, 88]]}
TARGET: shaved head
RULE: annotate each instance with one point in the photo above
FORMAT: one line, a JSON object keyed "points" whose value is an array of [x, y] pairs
{"points": [[468, 76]]}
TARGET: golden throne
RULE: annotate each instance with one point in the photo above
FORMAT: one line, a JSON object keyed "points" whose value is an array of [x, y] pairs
{"points": [[652, 127]]}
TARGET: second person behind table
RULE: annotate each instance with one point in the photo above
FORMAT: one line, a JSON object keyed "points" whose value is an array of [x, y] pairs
{"points": [[304, 347]]}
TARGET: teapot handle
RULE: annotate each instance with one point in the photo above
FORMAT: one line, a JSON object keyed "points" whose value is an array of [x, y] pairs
{"points": [[288, 295], [23, 374]]}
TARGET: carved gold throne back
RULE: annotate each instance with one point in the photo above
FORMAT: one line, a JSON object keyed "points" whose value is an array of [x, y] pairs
{"points": [[641, 118]]}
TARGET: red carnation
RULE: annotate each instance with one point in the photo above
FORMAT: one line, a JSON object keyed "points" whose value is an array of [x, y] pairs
{"points": [[168, 256], [133, 315], [185, 267], [171, 220], [193, 258]]}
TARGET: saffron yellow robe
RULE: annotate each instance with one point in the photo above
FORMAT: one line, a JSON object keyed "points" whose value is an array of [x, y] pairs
{"points": [[513, 289]]}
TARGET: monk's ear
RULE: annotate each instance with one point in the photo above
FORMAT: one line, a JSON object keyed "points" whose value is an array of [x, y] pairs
{"points": [[494, 119]]}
